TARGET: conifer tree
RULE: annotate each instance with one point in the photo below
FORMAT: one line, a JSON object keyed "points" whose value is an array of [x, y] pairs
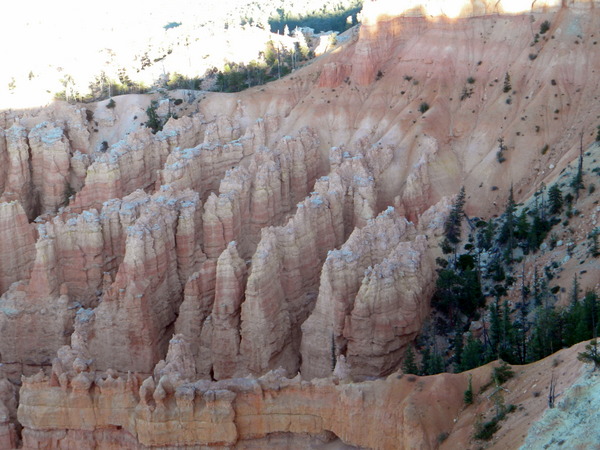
{"points": [[507, 86], [409, 365], [555, 199], [591, 354], [452, 226], [577, 182], [458, 351], [507, 232], [575, 290], [506, 348], [522, 226], [431, 362], [468, 395], [472, 355]]}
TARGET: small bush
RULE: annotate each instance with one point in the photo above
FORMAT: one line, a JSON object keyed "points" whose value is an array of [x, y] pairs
{"points": [[103, 146], [591, 354], [424, 107], [545, 149], [471, 80], [485, 431], [544, 27], [178, 101], [532, 56], [502, 373], [468, 396], [154, 122], [507, 85], [111, 104], [442, 436], [466, 93]]}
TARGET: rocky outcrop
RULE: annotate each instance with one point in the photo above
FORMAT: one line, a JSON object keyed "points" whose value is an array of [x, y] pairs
{"points": [[17, 244], [268, 242], [8, 414], [373, 290], [50, 155], [261, 195], [229, 295], [167, 409], [133, 322], [129, 164], [283, 284], [17, 184], [389, 309], [341, 277]]}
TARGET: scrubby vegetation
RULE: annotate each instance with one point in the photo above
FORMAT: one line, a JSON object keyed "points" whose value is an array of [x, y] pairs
{"points": [[482, 266], [332, 15]]}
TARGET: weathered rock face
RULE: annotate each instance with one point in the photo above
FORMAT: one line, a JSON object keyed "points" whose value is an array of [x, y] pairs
{"points": [[17, 244], [50, 163], [371, 294], [112, 409], [8, 414], [258, 230], [137, 311], [17, 184]]}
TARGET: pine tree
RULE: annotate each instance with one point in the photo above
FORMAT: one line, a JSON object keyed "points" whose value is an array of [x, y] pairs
{"points": [[507, 86], [468, 396], [452, 226], [591, 354], [485, 235], [507, 232], [472, 355], [432, 362], [522, 226], [495, 327], [590, 313], [458, 351], [409, 365], [575, 290], [577, 182], [506, 349], [555, 199]]}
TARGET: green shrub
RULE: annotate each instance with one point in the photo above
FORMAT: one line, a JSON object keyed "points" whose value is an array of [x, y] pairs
{"points": [[485, 431], [502, 373], [544, 27], [424, 107], [111, 104], [154, 122], [468, 396], [507, 86]]}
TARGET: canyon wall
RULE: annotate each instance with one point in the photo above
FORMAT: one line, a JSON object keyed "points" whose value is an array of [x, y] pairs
{"points": [[72, 407], [282, 239]]}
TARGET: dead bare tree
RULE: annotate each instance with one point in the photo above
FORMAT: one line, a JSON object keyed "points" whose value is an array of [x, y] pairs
{"points": [[552, 392]]}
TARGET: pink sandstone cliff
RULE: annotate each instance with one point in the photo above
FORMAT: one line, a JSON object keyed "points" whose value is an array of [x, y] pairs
{"points": [[281, 239]]}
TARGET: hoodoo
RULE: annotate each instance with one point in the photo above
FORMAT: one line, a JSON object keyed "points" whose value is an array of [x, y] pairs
{"points": [[347, 255]]}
